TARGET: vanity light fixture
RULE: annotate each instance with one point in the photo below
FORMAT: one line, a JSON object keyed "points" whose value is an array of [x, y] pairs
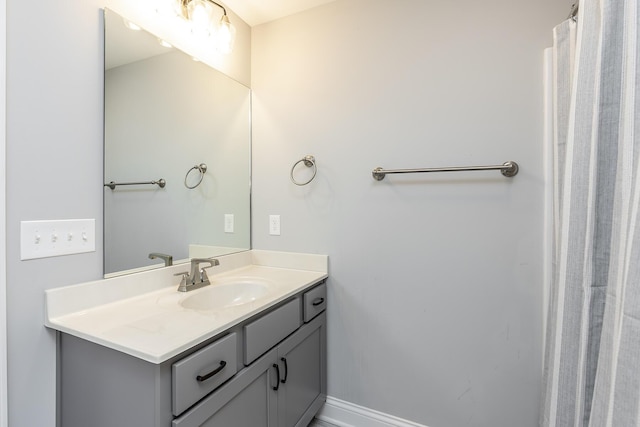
{"points": [[200, 14]]}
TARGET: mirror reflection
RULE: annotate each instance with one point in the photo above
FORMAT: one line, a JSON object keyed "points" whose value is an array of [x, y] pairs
{"points": [[177, 152]]}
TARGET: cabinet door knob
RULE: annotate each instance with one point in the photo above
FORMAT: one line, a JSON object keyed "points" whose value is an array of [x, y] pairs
{"points": [[277, 386], [286, 370], [316, 302], [202, 378]]}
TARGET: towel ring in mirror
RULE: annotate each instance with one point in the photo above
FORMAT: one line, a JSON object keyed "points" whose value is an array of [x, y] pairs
{"points": [[201, 168], [309, 161]]}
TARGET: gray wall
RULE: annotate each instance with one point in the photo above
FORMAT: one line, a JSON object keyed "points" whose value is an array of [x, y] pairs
{"points": [[54, 169], [435, 281]]}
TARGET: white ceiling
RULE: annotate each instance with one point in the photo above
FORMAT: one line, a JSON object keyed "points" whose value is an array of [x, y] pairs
{"points": [[255, 12]]}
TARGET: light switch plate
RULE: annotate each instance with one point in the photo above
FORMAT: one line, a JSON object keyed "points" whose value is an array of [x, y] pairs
{"points": [[43, 239]]}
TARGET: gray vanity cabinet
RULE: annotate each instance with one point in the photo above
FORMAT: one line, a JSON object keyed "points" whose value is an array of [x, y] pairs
{"points": [[283, 388], [282, 385]]}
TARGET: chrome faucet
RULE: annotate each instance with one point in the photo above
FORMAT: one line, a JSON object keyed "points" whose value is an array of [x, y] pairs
{"points": [[197, 278], [168, 259]]}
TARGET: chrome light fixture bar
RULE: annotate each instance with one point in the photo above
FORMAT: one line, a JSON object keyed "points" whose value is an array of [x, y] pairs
{"points": [[200, 14]]}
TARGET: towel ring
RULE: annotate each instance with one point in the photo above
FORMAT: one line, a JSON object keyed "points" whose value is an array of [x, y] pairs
{"points": [[309, 161], [201, 168]]}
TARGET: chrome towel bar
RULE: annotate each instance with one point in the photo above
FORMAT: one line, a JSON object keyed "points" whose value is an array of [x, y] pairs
{"points": [[160, 183], [508, 169]]}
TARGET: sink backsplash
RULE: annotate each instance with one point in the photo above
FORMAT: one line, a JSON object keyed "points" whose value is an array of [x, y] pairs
{"points": [[83, 296]]}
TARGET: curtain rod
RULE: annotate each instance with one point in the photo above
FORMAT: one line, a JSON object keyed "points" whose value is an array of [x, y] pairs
{"points": [[574, 11]]}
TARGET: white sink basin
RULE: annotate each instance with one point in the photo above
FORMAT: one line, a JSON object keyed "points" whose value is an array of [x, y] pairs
{"points": [[221, 295]]}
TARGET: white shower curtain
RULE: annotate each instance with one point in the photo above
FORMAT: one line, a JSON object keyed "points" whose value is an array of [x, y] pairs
{"points": [[592, 360]]}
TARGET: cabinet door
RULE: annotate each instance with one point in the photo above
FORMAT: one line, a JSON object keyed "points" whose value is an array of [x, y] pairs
{"points": [[248, 409], [247, 400], [302, 374]]}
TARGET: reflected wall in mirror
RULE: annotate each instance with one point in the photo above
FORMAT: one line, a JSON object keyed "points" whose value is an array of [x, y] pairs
{"points": [[166, 114]]}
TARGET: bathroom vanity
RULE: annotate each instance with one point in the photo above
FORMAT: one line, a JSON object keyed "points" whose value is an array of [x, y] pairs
{"points": [[209, 357]]}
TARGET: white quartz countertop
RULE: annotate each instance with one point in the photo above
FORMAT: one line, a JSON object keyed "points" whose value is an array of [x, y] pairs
{"points": [[143, 314]]}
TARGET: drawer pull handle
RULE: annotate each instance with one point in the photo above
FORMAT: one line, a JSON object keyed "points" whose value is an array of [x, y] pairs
{"points": [[286, 370], [277, 386], [316, 302], [202, 378]]}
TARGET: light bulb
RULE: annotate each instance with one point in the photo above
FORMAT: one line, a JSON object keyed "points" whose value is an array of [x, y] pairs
{"points": [[226, 35], [200, 15]]}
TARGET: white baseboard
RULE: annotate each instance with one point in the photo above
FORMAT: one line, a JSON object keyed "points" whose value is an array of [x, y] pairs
{"points": [[345, 414]]}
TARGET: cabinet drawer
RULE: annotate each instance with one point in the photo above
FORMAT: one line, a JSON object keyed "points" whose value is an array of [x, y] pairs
{"points": [[270, 329], [198, 374], [315, 302]]}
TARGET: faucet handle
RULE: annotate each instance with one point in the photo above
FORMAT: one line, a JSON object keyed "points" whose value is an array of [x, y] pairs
{"points": [[184, 281], [213, 263]]}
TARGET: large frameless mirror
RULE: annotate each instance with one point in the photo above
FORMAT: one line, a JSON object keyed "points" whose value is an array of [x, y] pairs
{"points": [[177, 154]]}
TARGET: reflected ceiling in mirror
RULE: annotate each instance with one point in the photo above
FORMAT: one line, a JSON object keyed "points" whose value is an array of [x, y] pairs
{"points": [[169, 117]]}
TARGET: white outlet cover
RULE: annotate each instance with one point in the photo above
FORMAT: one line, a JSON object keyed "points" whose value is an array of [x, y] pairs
{"points": [[274, 225], [228, 223]]}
